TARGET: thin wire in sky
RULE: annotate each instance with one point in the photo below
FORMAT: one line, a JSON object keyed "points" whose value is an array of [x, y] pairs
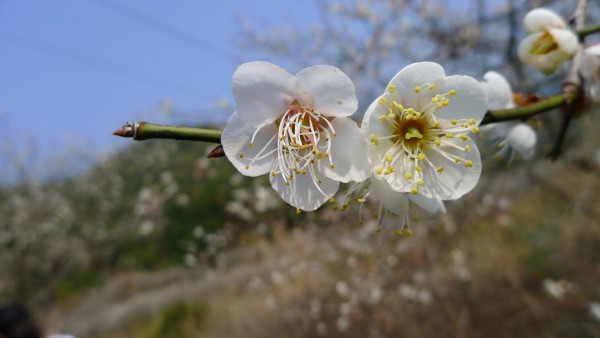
{"points": [[90, 61], [172, 31]]}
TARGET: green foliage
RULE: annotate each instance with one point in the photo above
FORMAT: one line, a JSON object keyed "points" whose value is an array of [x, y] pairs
{"points": [[76, 281], [178, 320]]}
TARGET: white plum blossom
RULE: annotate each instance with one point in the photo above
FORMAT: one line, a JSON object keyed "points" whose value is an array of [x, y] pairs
{"points": [[521, 139], [510, 136], [390, 201], [399, 203], [549, 42], [419, 132], [589, 69], [297, 130]]}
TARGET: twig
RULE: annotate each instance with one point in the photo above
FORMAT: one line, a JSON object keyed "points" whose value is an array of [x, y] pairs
{"points": [[140, 131], [526, 111], [572, 83]]}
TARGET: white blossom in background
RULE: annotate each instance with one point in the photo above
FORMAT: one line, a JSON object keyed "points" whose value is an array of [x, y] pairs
{"points": [[589, 69], [595, 310], [511, 136], [549, 42], [297, 130], [399, 203], [419, 132]]}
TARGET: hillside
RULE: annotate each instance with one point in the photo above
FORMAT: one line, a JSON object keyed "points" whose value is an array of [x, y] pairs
{"points": [[158, 241]]}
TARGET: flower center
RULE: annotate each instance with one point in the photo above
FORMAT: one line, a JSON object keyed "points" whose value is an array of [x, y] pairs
{"points": [[544, 45], [412, 133], [415, 133], [304, 136]]}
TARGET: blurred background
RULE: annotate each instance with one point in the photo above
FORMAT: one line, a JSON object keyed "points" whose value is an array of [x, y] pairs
{"points": [[107, 237]]}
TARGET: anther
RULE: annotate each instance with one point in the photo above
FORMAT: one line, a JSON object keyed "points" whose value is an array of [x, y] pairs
{"points": [[382, 100], [391, 88]]}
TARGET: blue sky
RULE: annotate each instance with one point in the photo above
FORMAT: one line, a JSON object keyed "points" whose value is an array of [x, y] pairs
{"points": [[72, 71]]}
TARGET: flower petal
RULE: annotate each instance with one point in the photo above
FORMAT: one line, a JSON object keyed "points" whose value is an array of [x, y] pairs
{"points": [[547, 62], [566, 40], [263, 91], [469, 102], [348, 153], [415, 74], [302, 191], [428, 204], [394, 201], [455, 180], [522, 138], [498, 90], [236, 138], [590, 63], [328, 90], [541, 19], [371, 125]]}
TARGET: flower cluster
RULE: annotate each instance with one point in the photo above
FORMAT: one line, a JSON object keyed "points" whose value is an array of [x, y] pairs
{"points": [[511, 137], [415, 143]]}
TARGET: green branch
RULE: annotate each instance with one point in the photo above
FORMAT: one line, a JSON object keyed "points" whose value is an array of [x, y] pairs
{"points": [[144, 131], [588, 30], [525, 111]]}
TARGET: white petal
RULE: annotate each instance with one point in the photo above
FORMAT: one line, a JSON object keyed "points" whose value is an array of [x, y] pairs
{"points": [[415, 74], [566, 40], [372, 109], [456, 180], [263, 91], [469, 102], [589, 65], [348, 152], [396, 180], [428, 204], [498, 90], [547, 62], [394, 201], [235, 139], [522, 138], [302, 191], [544, 62], [330, 90], [541, 19], [498, 131], [372, 125]]}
